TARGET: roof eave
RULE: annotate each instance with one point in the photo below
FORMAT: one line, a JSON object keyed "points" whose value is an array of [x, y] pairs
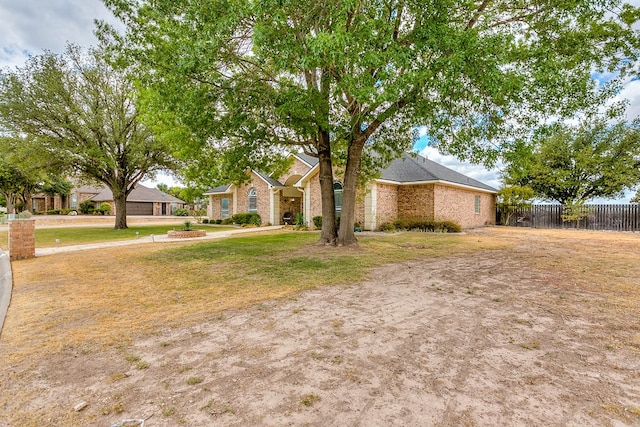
{"points": [[302, 160], [437, 181]]}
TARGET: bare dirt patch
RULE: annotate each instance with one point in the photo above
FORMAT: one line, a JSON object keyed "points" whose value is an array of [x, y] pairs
{"points": [[544, 333]]}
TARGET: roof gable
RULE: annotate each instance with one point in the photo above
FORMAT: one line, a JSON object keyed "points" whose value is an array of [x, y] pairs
{"points": [[272, 182]]}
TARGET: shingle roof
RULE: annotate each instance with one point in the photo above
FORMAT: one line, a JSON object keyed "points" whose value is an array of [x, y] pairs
{"points": [[139, 194], [269, 180], [312, 161], [90, 189], [218, 189], [409, 169]]}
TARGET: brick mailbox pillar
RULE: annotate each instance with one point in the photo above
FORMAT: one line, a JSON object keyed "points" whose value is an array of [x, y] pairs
{"points": [[22, 239]]}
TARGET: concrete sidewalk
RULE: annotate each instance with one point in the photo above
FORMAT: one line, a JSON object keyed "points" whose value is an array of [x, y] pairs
{"points": [[158, 238]]}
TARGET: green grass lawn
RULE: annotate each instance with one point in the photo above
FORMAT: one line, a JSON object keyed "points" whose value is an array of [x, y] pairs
{"points": [[46, 237]]}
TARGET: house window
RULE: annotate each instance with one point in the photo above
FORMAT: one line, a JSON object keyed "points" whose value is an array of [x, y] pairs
{"points": [[337, 194], [253, 200], [74, 201], [224, 208], [476, 204]]}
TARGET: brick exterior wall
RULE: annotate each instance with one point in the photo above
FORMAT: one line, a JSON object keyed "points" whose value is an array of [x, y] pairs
{"points": [[22, 239], [298, 168], [264, 200], [416, 201], [458, 204], [386, 203], [316, 197], [215, 205]]}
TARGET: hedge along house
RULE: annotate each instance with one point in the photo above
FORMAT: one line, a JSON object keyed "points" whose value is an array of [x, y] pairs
{"points": [[142, 201], [410, 187]]}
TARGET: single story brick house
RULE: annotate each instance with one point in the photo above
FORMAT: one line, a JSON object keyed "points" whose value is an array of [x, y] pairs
{"points": [[410, 187], [142, 201], [43, 202]]}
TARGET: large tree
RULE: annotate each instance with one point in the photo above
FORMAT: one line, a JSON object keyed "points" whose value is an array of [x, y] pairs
{"points": [[79, 111], [22, 175], [348, 80], [572, 164]]}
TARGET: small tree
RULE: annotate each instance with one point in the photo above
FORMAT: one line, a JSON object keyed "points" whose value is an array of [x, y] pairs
{"points": [[104, 208], [513, 198], [574, 211]]}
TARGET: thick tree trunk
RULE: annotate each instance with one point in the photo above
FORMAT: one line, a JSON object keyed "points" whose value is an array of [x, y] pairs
{"points": [[28, 202], [10, 201], [329, 233], [120, 199], [346, 235]]}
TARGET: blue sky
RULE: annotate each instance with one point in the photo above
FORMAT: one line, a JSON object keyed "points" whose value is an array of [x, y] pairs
{"points": [[32, 26]]}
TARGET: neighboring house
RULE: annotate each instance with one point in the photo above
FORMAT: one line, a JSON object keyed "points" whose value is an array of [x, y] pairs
{"points": [[43, 202], [410, 187], [142, 201]]}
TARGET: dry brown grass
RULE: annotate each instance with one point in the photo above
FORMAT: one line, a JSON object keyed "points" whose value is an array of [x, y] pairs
{"points": [[605, 265], [89, 301], [108, 298]]}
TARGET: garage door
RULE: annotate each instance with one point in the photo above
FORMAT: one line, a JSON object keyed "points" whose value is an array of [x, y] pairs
{"points": [[139, 208]]}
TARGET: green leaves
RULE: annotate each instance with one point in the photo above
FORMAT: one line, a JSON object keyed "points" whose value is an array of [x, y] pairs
{"points": [[248, 79], [80, 114], [572, 164]]}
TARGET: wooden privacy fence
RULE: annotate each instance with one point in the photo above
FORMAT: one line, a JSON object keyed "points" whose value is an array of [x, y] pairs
{"points": [[598, 217]]}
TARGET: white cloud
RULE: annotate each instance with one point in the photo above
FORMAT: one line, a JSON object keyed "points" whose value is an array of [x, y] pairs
{"points": [[30, 27]]}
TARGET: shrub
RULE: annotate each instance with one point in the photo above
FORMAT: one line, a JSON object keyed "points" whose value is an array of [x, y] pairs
{"points": [[226, 221], [249, 218], [205, 220], [218, 221], [387, 226], [317, 221], [452, 227], [181, 212], [187, 226], [421, 225], [104, 208], [53, 212], [299, 219], [24, 215], [86, 207]]}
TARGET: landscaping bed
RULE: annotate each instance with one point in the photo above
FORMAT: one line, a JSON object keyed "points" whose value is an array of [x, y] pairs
{"points": [[183, 234]]}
